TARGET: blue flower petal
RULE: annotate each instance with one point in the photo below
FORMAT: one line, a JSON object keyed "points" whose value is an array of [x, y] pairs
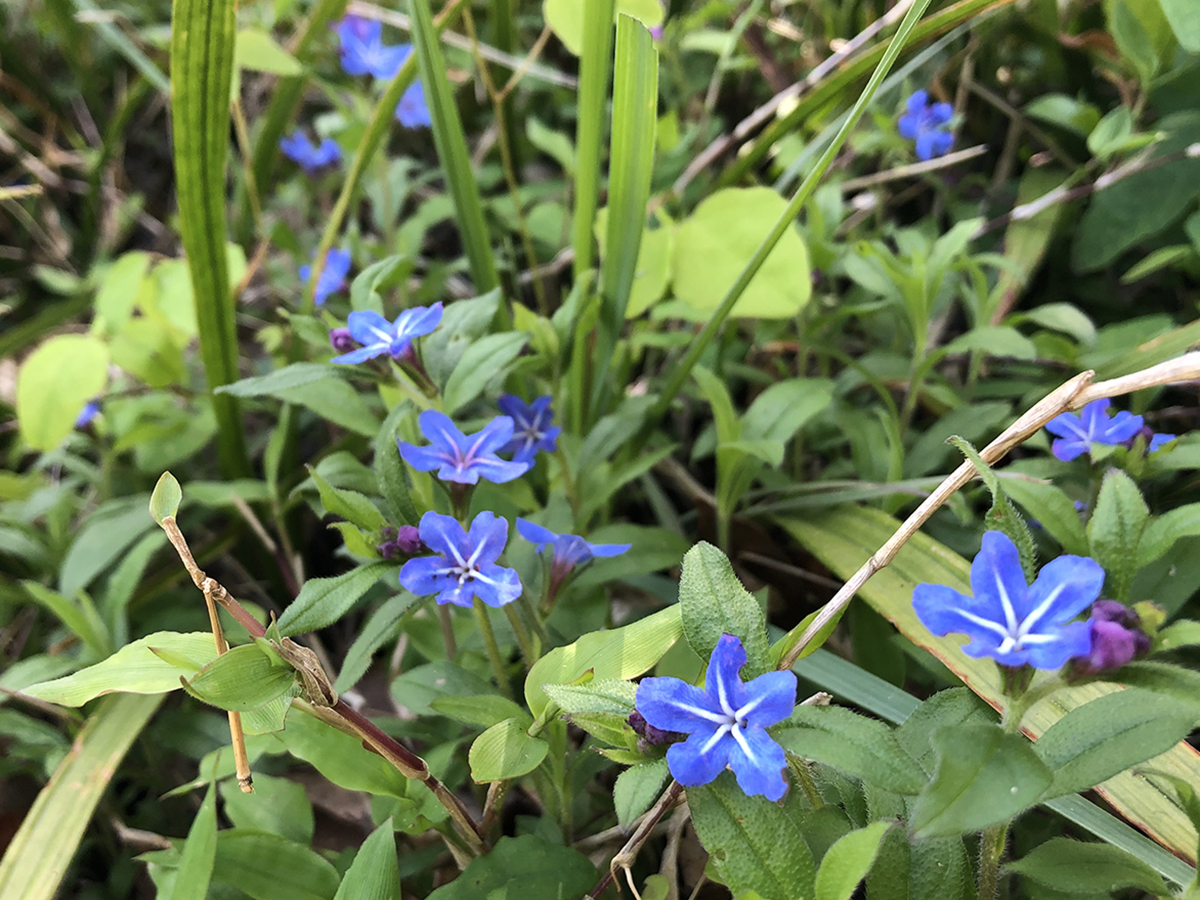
{"points": [[535, 533], [699, 759], [917, 102], [442, 534], [940, 113], [497, 585], [493, 436], [944, 611], [1072, 640], [768, 699], [423, 459], [488, 536], [497, 470], [424, 575], [1066, 449], [369, 327], [361, 355], [997, 579], [925, 144], [1064, 588], [758, 763], [418, 321], [721, 681], [674, 705], [606, 550], [1123, 427]]}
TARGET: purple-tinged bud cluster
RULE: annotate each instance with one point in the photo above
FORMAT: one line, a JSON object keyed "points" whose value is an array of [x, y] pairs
{"points": [[1117, 637], [648, 735], [404, 541]]}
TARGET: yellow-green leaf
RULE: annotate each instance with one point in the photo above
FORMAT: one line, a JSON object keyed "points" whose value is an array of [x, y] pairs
{"points": [[55, 383]]}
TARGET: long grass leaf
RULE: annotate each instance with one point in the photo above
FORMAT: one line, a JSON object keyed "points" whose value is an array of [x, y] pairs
{"points": [[452, 150], [202, 39], [595, 70], [120, 42], [38, 857], [681, 371]]}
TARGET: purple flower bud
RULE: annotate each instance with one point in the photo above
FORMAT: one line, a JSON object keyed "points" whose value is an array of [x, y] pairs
{"points": [[408, 540], [656, 32], [389, 549], [1117, 637], [340, 340], [652, 736]]}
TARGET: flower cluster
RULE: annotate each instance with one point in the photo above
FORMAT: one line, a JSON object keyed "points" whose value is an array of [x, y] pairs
{"points": [[402, 541], [363, 52], [379, 337], [725, 722], [927, 125], [309, 156], [1117, 637], [1076, 433], [465, 565]]}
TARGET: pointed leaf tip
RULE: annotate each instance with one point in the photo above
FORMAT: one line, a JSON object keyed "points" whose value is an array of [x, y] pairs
{"points": [[166, 497]]}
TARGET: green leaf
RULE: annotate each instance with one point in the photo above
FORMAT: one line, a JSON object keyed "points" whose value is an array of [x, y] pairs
{"points": [[315, 386], [322, 601], [753, 843], [133, 669], [605, 696], [621, 653], [1066, 112], [380, 628], [859, 746], [390, 474], [1182, 16], [487, 358], [847, 862], [480, 710], [984, 775], [1111, 132], [53, 385], [203, 37], [1132, 39], [1115, 531], [241, 679], [256, 50], [595, 70], [652, 273], [350, 505], [1072, 867], [783, 408], [79, 617], [566, 19], [109, 532], [505, 751], [375, 873], [1052, 508], [1002, 517], [951, 707], [718, 241], [1162, 533], [269, 867], [199, 853], [272, 715], [418, 688], [277, 805], [634, 118], [637, 788], [166, 497], [1105, 736], [713, 602], [452, 149], [1182, 633], [341, 757], [525, 866], [118, 293], [39, 854], [612, 728]]}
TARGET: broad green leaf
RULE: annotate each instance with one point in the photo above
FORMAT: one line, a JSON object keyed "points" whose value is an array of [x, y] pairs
{"points": [[480, 710], [1107, 735], [1132, 38], [637, 788], [605, 696], [277, 805], [391, 476], [622, 653], [783, 408], [955, 706], [119, 290], [1162, 532], [269, 867], [256, 50], [151, 351], [199, 853], [340, 757], [418, 688], [322, 601], [1051, 508], [712, 602], [350, 505], [1066, 112], [1182, 633], [525, 866], [203, 38], [716, 242], [272, 715], [1182, 16], [844, 538], [1115, 530], [612, 728], [39, 854], [505, 751], [847, 862], [133, 669], [375, 873], [165, 499], [53, 385], [984, 775], [854, 744], [241, 679], [487, 358], [1073, 867], [566, 18], [109, 532], [993, 340], [753, 843], [315, 386], [1110, 132]]}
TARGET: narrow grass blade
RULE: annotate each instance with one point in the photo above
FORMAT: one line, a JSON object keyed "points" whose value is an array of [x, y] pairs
{"points": [[290, 91], [595, 70], [373, 137], [889, 702], [38, 857], [122, 44], [635, 110], [452, 149], [202, 39], [681, 371], [200, 851]]}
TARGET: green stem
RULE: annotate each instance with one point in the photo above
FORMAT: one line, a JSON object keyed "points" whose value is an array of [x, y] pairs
{"points": [[991, 851], [447, 632], [534, 620], [493, 649], [518, 627], [1018, 706]]}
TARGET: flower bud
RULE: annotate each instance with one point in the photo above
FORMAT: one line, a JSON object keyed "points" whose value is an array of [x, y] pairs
{"points": [[1117, 637], [341, 341], [648, 733], [408, 540]]}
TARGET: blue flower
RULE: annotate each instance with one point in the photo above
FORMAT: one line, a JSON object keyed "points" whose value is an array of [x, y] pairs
{"points": [[1158, 441], [460, 457], [90, 410], [466, 564], [1010, 621], [927, 124], [726, 722], [309, 156], [569, 550], [365, 53], [379, 337], [333, 274], [412, 111], [532, 428], [1077, 433]]}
